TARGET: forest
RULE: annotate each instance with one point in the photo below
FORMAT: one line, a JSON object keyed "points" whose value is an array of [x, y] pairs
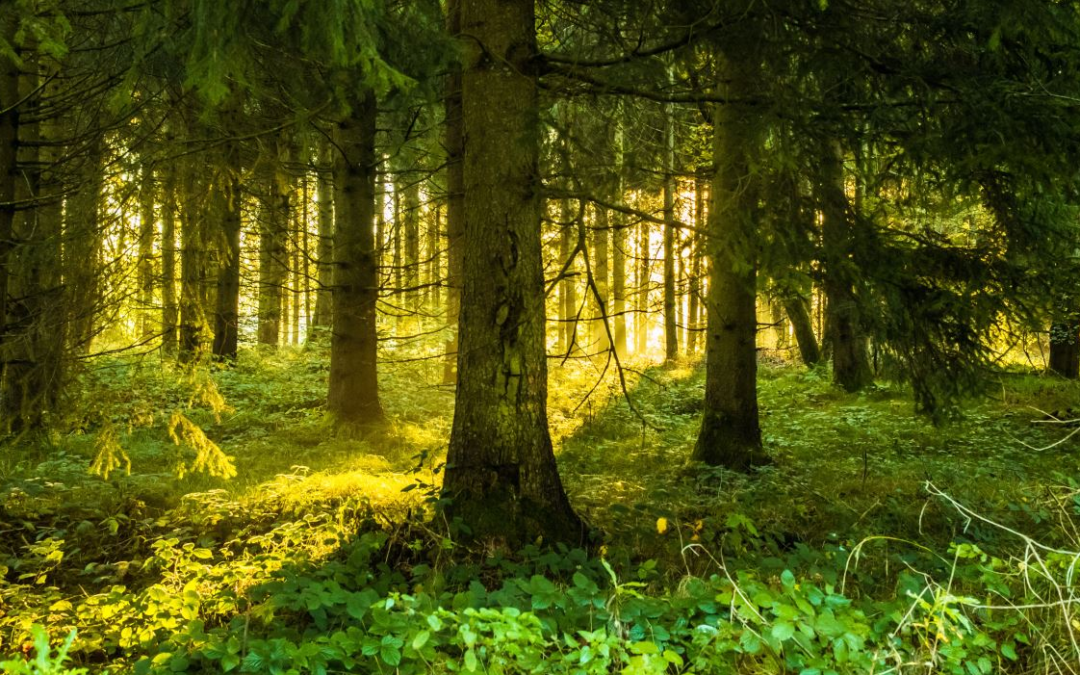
{"points": [[507, 337]]}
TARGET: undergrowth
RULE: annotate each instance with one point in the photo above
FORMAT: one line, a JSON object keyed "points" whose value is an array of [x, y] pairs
{"points": [[874, 542]]}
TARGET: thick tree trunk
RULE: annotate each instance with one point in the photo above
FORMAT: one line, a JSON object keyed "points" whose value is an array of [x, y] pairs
{"points": [[354, 384], [501, 475], [799, 315], [454, 141], [1065, 349], [848, 345], [730, 435], [325, 254], [226, 201]]}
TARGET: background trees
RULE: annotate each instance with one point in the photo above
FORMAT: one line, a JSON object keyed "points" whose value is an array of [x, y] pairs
{"points": [[887, 186]]}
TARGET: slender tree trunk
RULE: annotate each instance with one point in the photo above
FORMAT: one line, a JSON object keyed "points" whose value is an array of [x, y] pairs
{"points": [[851, 362], [305, 252], [226, 203], [671, 324], [568, 286], [168, 260], [799, 315], [272, 251], [325, 267], [618, 246], [1065, 349], [411, 220], [435, 255], [354, 385], [602, 276], [296, 291], [145, 266], [501, 475], [194, 331], [644, 282], [694, 320], [730, 434], [9, 145], [83, 252]]}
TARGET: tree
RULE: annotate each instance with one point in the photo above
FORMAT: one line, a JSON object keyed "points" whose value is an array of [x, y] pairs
{"points": [[501, 475]]}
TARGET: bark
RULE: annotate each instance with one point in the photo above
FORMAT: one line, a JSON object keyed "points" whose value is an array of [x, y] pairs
{"points": [[194, 254], [83, 252], [411, 232], [568, 301], [354, 386], [644, 281], [694, 319], [9, 144], [602, 276], [325, 267], [671, 324], [1065, 349], [454, 141], [226, 201], [273, 272], [848, 344], [501, 476], [730, 435], [618, 247], [799, 315], [145, 265], [168, 260]]}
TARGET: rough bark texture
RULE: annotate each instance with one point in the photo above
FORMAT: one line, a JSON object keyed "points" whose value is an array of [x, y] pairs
{"points": [[501, 475], [1065, 349], [799, 315], [730, 435], [83, 254], [354, 384], [848, 344], [454, 141]]}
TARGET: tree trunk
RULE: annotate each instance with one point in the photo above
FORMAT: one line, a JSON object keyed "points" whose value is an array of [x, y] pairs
{"points": [[325, 190], [851, 361], [602, 276], [145, 266], [411, 220], [799, 315], [83, 252], [694, 311], [671, 324], [644, 281], [730, 435], [618, 245], [501, 475], [194, 331], [1065, 349], [168, 260], [354, 384], [272, 250], [568, 305], [454, 140], [227, 201], [9, 146]]}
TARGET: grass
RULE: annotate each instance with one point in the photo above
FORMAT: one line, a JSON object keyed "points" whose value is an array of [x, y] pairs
{"points": [[849, 472]]}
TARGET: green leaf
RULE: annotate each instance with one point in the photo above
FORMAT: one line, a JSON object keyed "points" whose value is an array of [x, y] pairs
{"points": [[470, 661], [421, 639], [783, 630]]}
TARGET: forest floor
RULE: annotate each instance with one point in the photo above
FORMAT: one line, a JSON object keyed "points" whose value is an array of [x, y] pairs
{"points": [[863, 500]]}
